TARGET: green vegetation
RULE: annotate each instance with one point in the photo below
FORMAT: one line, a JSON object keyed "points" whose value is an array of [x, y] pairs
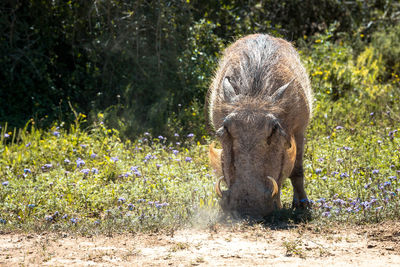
{"points": [[136, 61], [92, 180], [104, 173]]}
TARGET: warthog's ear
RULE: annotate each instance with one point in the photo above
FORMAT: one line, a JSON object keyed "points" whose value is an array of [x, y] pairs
{"points": [[215, 160], [229, 93], [278, 94]]}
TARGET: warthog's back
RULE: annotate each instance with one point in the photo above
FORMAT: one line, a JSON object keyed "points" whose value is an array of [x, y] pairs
{"points": [[257, 65]]}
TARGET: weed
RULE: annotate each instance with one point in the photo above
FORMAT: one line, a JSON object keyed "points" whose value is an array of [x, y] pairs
{"points": [[293, 249]]}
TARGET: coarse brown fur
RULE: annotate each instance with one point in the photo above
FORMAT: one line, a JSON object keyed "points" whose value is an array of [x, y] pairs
{"points": [[259, 103]]}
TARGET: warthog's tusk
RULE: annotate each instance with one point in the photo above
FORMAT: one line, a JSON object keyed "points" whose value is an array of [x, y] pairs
{"points": [[275, 185], [218, 186]]}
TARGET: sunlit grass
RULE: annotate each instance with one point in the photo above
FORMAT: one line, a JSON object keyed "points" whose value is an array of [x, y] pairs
{"points": [[90, 180]]}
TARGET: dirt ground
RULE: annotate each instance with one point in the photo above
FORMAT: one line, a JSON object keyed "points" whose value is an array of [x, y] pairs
{"points": [[238, 245]]}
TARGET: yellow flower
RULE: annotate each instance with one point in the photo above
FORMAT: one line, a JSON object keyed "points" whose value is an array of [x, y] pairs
{"points": [[318, 41]]}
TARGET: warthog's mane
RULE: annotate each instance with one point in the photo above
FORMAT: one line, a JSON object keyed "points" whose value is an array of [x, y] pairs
{"points": [[257, 66]]}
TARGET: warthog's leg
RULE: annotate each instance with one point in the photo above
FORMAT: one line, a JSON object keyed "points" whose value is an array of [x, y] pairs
{"points": [[297, 176]]}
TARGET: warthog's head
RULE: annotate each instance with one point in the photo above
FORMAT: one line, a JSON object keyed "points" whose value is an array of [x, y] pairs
{"points": [[257, 153]]}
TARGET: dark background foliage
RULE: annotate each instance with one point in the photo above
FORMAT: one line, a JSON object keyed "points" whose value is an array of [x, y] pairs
{"points": [[144, 62]]}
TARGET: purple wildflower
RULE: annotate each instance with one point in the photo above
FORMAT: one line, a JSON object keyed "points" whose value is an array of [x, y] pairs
{"points": [[56, 133], [85, 171], [318, 171], [95, 170], [47, 166], [121, 200], [27, 171], [5, 183], [339, 127], [326, 214], [114, 159], [375, 171], [188, 159], [190, 135], [160, 205], [80, 162], [136, 171], [67, 161], [175, 152], [6, 135], [93, 155]]}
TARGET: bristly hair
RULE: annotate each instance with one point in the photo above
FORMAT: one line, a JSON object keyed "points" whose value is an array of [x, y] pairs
{"points": [[256, 66], [255, 74]]}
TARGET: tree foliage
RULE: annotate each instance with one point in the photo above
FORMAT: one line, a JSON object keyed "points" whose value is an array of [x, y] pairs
{"points": [[138, 60]]}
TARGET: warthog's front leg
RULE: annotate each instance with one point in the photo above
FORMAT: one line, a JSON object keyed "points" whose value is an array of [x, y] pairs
{"points": [[297, 177]]}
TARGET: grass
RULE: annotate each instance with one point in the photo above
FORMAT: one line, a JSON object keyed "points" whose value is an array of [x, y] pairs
{"points": [[90, 181]]}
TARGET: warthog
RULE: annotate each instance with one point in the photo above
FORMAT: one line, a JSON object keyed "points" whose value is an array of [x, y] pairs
{"points": [[259, 105]]}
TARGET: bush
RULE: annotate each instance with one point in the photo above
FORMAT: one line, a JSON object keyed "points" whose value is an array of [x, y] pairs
{"points": [[386, 43]]}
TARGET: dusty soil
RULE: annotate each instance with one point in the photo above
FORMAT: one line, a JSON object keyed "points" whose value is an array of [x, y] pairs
{"points": [[238, 245]]}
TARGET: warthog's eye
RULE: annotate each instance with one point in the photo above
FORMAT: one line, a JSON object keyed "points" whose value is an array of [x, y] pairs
{"points": [[276, 128], [226, 129]]}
